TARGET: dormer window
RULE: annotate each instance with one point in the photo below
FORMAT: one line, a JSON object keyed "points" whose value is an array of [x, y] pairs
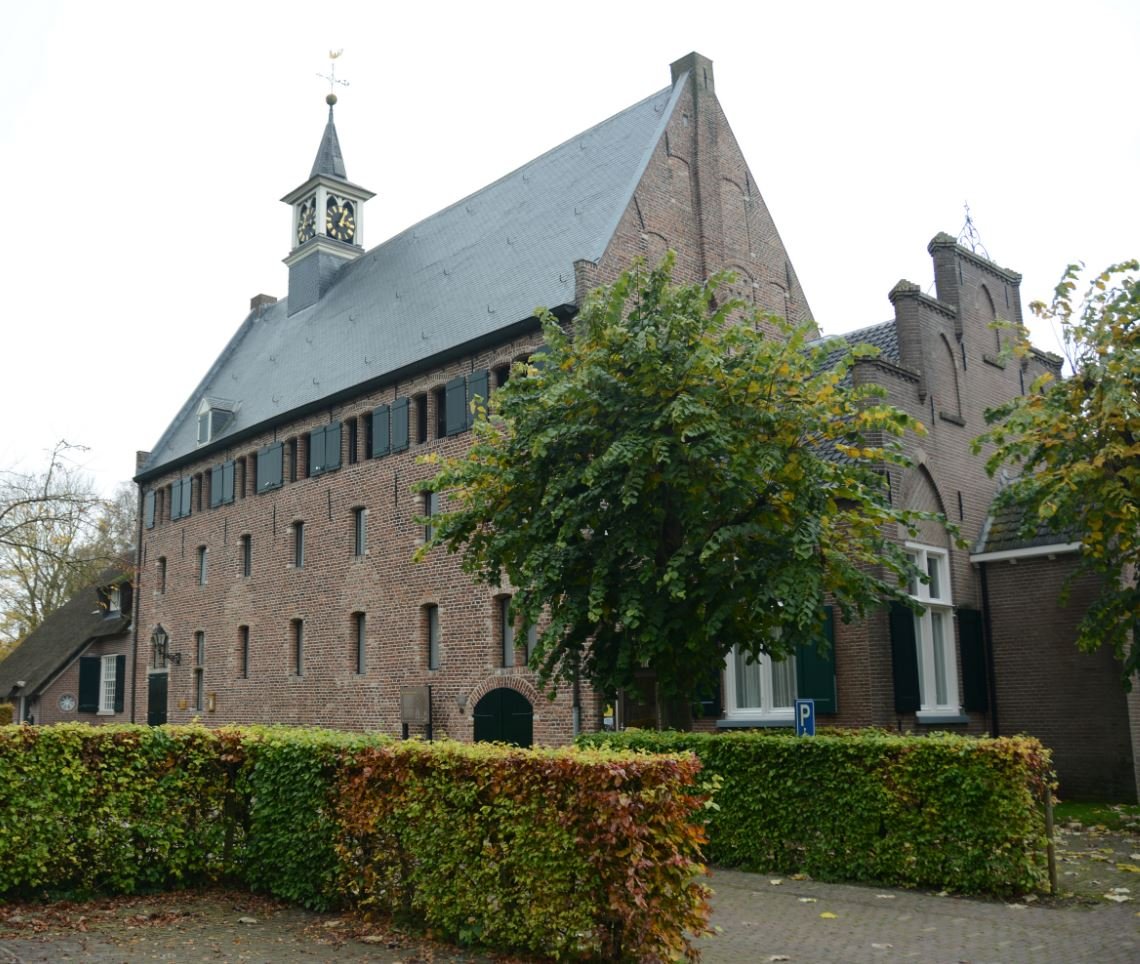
{"points": [[115, 599], [214, 416]]}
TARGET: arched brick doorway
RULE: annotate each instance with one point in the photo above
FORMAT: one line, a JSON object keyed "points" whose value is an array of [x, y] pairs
{"points": [[504, 715]]}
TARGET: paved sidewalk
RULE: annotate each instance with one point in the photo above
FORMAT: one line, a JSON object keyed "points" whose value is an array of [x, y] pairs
{"points": [[795, 921], [761, 921]]}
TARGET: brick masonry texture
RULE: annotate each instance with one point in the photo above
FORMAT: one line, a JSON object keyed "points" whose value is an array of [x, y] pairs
{"points": [[698, 198]]}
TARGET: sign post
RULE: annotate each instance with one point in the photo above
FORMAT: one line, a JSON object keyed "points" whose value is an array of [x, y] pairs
{"points": [[805, 717]]}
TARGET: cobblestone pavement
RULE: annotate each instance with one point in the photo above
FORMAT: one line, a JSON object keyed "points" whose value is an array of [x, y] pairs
{"points": [[760, 921], [805, 922]]}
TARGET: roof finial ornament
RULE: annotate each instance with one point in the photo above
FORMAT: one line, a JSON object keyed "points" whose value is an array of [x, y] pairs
{"points": [[332, 78], [969, 236]]}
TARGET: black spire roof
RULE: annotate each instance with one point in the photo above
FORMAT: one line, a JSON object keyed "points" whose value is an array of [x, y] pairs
{"points": [[329, 160]]}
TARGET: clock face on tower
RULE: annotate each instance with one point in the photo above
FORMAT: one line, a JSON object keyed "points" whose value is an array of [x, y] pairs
{"points": [[306, 221], [339, 221]]}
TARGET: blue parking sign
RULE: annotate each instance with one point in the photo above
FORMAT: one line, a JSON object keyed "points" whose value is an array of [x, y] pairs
{"points": [[805, 717]]}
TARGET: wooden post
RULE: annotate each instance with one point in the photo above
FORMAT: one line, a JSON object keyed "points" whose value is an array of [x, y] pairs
{"points": [[1050, 847]]}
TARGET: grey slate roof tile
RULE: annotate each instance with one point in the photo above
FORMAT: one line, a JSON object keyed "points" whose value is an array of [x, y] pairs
{"points": [[1005, 530], [462, 275]]}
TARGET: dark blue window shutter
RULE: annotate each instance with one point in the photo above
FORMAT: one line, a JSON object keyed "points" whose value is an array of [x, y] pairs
{"points": [[332, 446], [270, 462], [399, 425], [975, 688], [477, 392], [120, 681], [815, 669], [904, 660], [228, 481], [148, 509], [216, 475], [89, 667], [456, 405], [380, 440]]}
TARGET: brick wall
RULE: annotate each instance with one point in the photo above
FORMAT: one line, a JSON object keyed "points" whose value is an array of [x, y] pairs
{"points": [[1073, 702], [46, 707]]}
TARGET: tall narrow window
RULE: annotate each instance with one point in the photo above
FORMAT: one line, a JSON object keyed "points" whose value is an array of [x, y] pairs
{"points": [[298, 631], [108, 683], [431, 508], [202, 565], [243, 651], [299, 545], [359, 638], [432, 615], [506, 631], [359, 531], [291, 459], [162, 574], [501, 374], [934, 632], [199, 671], [531, 641], [247, 555], [421, 401], [439, 399], [353, 432]]}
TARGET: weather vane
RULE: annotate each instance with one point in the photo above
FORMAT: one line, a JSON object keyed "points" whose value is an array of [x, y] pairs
{"points": [[331, 76], [969, 235]]}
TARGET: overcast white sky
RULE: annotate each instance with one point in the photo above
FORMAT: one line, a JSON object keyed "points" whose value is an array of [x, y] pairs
{"points": [[144, 148]]}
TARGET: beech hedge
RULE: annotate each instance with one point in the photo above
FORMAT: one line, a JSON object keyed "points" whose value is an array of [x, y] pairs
{"points": [[564, 853], [945, 811]]}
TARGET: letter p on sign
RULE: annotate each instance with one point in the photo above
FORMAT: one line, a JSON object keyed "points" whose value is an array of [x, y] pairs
{"points": [[805, 717]]}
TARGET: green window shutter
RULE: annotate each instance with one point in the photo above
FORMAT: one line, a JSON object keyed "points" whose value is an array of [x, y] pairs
{"points": [[228, 481], [904, 660], [270, 462], [399, 425], [380, 441], [332, 446], [815, 670], [538, 357], [187, 493], [477, 392], [316, 451], [126, 595], [89, 667], [456, 405], [148, 509], [975, 688], [120, 681], [217, 474]]}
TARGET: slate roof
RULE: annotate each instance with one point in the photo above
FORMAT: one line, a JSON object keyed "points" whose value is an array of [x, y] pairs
{"points": [[455, 279], [1004, 531], [883, 336], [329, 160], [61, 637]]}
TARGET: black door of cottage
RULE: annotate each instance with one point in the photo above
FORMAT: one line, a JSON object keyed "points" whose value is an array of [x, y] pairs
{"points": [[504, 716], [156, 699]]}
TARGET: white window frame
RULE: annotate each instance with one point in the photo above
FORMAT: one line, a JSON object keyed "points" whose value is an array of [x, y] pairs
{"points": [[108, 678], [766, 712], [937, 661]]}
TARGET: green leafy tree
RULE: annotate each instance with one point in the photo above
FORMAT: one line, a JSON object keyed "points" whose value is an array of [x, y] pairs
{"points": [[1075, 443], [665, 480]]}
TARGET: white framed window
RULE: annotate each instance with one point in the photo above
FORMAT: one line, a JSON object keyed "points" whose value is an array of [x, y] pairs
{"points": [[934, 632], [108, 677], [759, 688]]}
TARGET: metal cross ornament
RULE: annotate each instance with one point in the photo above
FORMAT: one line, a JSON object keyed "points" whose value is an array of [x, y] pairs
{"points": [[331, 76]]}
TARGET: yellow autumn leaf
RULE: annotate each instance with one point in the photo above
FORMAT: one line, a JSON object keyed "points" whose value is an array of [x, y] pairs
{"points": [[828, 915]]}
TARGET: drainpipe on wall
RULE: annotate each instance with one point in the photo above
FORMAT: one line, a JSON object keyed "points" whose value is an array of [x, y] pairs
{"points": [[988, 642]]}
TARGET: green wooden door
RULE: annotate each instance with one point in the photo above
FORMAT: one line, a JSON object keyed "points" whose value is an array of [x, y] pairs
{"points": [[156, 699], [504, 716]]}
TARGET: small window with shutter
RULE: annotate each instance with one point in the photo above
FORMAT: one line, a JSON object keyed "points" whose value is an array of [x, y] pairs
{"points": [[270, 463]]}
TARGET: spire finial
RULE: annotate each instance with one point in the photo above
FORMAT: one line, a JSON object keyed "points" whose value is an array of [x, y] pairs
{"points": [[969, 235], [332, 78]]}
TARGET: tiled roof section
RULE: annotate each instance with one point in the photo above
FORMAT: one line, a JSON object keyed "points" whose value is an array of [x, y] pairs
{"points": [[61, 636], [329, 160], [1005, 530], [883, 336], [467, 272]]}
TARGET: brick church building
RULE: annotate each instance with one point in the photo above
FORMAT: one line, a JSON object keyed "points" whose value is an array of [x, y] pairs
{"points": [[275, 578]]}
